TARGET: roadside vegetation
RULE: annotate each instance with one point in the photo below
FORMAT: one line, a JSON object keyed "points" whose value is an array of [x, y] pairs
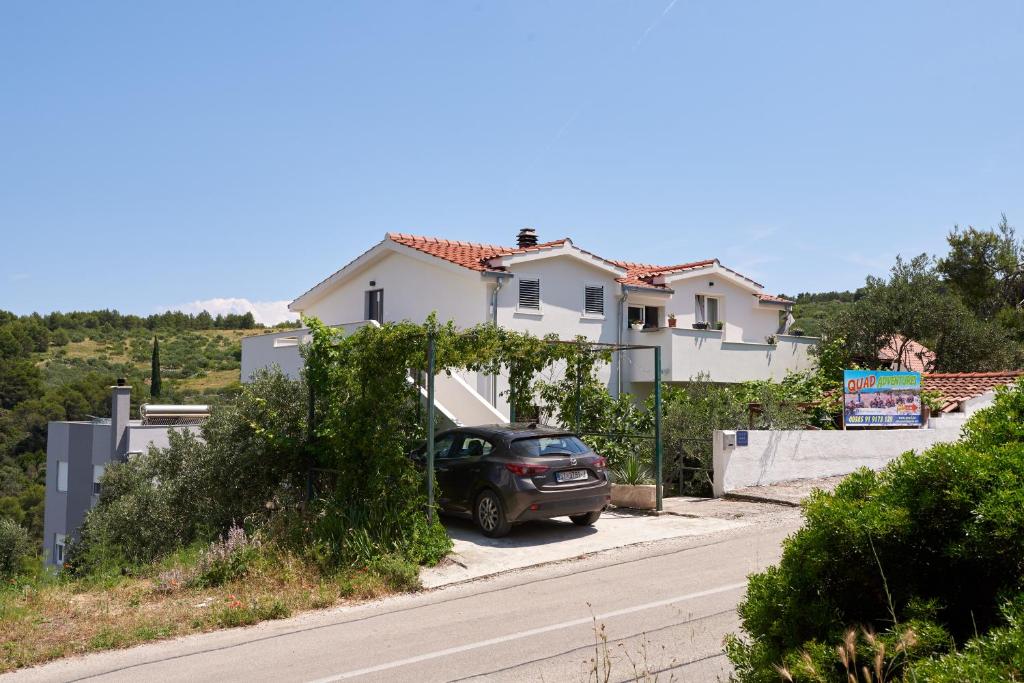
{"points": [[207, 533], [914, 573]]}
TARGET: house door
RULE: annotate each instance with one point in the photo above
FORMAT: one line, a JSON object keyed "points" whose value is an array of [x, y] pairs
{"points": [[375, 305]]}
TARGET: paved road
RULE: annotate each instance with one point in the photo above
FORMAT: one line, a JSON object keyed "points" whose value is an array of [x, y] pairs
{"points": [[663, 608]]}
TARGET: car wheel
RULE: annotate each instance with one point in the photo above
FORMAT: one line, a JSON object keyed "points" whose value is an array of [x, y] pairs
{"points": [[587, 519], [489, 514]]}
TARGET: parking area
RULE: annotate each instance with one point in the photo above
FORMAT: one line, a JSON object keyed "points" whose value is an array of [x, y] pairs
{"points": [[555, 540]]}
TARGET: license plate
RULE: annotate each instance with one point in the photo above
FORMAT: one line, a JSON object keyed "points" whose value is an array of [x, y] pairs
{"points": [[571, 475]]}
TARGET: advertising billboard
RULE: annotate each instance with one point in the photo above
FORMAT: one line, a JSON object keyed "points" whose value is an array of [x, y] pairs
{"points": [[876, 398]]}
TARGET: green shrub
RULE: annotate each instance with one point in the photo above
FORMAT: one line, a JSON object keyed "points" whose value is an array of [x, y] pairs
{"points": [[633, 471], [357, 534], [398, 573], [226, 559], [16, 548], [250, 454], [935, 540], [993, 658]]}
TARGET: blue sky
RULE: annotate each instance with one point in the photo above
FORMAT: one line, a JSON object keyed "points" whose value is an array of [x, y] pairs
{"points": [[155, 154]]}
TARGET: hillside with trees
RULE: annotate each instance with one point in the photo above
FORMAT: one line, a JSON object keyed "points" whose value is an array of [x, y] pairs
{"points": [[60, 367], [966, 305]]}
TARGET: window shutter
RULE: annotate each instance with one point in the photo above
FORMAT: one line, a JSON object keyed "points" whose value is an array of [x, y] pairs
{"points": [[593, 303], [529, 294]]}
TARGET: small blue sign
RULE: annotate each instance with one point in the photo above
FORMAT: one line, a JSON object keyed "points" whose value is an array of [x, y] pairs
{"points": [[742, 438]]}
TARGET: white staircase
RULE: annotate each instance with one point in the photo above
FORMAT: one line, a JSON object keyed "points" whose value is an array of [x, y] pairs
{"points": [[461, 404]]}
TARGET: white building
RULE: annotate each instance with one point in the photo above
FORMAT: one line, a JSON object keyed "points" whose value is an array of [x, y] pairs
{"points": [[706, 318]]}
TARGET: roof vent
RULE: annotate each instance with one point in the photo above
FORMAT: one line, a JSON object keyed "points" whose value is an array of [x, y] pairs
{"points": [[527, 237]]}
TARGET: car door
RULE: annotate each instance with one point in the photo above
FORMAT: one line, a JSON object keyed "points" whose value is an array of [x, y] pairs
{"points": [[442, 447], [458, 472]]}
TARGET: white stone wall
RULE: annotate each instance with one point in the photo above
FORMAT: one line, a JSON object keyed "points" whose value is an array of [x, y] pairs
{"points": [[776, 456]]}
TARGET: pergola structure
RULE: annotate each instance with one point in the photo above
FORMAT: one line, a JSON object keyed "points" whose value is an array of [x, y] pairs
{"points": [[594, 347]]}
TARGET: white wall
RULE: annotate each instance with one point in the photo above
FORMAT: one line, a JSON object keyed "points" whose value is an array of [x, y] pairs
{"points": [[776, 456], [563, 279], [278, 348], [687, 353], [745, 319], [281, 349], [414, 286]]}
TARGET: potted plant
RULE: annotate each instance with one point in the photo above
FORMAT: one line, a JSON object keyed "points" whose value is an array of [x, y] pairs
{"points": [[797, 332], [771, 339], [700, 326], [931, 404], [633, 485], [637, 325], [671, 319], [719, 325]]}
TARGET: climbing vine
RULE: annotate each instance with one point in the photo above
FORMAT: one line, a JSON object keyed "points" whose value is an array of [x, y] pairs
{"points": [[367, 418]]}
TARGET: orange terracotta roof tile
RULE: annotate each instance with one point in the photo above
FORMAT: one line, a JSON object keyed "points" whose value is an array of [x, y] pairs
{"points": [[774, 299], [916, 357], [475, 256], [957, 387], [466, 254]]}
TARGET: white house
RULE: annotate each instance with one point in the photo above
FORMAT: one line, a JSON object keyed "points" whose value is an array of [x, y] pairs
{"points": [[725, 325]]}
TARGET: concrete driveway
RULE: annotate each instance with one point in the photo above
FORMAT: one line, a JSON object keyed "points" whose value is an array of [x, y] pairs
{"points": [[556, 540]]}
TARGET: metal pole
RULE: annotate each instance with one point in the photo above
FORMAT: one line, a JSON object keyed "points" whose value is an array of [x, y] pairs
{"points": [[310, 436], [511, 398], [579, 397], [430, 429], [657, 427]]}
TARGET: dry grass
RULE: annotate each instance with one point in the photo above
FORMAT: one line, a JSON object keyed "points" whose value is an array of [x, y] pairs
{"points": [[213, 379], [49, 619]]}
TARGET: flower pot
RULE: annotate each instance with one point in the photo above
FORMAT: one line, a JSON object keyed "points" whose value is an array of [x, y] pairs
{"points": [[700, 326], [637, 497], [671, 322], [636, 327]]}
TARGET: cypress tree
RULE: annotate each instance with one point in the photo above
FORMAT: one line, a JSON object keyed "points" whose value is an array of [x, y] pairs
{"points": [[154, 380]]}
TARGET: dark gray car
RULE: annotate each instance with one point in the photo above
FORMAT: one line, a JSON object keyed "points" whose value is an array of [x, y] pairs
{"points": [[505, 474]]}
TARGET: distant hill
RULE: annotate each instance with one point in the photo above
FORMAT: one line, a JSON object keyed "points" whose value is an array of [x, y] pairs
{"points": [[813, 309]]}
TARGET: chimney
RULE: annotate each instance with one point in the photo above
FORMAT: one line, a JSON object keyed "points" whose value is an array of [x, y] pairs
{"points": [[527, 237], [120, 413]]}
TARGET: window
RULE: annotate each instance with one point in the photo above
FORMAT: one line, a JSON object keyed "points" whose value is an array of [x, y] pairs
{"points": [[529, 294], [635, 314], [708, 310], [442, 445], [62, 476], [593, 300], [282, 342], [652, 317], [472, 447], [375, 305], [536, 446], [97, 474], [648, 317], [712, 304], [59, 541]]}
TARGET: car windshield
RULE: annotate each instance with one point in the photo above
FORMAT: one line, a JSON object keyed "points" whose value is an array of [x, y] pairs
{"points": [[537, 446]]}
